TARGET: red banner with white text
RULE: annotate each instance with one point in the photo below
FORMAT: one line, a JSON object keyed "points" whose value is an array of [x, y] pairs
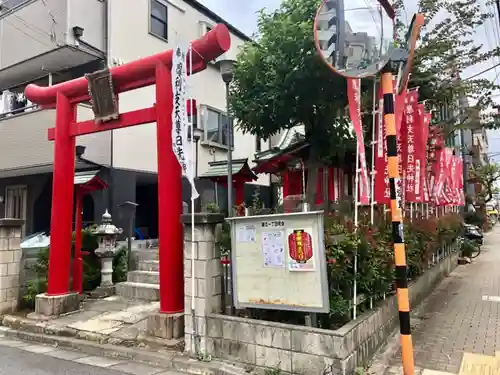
{"points": [[426, 117], [460, 182], [382, 190], [409, 136], [354, 97]]}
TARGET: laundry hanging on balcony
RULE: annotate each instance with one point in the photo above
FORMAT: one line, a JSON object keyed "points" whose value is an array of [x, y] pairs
{"points": [[13, 103]]}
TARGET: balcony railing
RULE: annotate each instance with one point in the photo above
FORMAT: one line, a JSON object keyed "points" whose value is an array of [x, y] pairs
{"points": [[12, 104]]}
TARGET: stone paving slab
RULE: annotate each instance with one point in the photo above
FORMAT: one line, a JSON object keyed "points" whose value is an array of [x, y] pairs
{"points": [[456, 318], [38, 349], [65, 354], [136, 369], [97, 325], [98, 361], [114, 320]]}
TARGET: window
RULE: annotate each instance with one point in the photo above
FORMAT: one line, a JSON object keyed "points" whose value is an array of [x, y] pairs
{"points": [[215, 126], [15, 202], [159, 19]]}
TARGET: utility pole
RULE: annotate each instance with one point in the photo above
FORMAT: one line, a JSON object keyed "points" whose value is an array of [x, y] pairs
{"points": [[465, 166]]}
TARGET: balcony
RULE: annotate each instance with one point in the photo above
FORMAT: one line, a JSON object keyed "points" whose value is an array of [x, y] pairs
{"points": [[37, 37], [24, 147]]}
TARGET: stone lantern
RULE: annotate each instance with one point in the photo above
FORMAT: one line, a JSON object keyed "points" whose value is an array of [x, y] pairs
{"points": [[107, 234]]}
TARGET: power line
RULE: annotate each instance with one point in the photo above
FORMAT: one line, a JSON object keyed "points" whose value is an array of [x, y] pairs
{"points": [[28, 35], [482, 72]]}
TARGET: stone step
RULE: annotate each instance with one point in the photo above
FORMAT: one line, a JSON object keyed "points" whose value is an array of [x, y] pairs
{"points": [[145, 254], [148, 265], [144, 277], [131, 290]]}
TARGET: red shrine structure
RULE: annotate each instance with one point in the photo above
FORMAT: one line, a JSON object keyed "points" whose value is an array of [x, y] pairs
{"points": [[102, 89], [85, 183], [242, 173], [335, 183]]}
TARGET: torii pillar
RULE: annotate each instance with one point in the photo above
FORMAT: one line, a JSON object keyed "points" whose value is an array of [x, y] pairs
{"points": [[107, 84]]}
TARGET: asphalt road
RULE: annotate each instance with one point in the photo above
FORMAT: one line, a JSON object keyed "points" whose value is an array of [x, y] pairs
{"points": [[18, 362]]}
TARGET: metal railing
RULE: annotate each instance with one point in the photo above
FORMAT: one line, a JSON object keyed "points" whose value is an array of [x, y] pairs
{"points": [[18, 111]]}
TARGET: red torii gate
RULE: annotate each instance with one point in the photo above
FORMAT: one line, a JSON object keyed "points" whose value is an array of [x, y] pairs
{"points": [[64, 97]]}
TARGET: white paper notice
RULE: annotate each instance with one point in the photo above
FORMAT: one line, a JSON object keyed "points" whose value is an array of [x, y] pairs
{"points": [[247, 233], [273, 248]]}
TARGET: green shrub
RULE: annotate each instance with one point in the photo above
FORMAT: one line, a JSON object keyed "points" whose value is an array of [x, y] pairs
{"points": [[91, 268]]}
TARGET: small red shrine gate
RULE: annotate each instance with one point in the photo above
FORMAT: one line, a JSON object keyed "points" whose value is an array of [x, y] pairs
{"points": [[155, 69], [85, 183]]}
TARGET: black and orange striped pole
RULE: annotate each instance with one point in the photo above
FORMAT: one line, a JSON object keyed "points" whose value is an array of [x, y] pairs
{"points": [[394, 180], [397, 226]]}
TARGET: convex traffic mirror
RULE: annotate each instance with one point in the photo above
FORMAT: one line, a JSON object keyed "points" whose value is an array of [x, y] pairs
{"points": [[355, 38]]}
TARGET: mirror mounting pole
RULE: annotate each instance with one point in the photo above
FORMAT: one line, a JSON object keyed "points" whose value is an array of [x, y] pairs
{"points": [[398, 59]]}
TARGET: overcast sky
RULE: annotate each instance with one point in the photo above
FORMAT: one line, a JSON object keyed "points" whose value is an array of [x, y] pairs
{"points": [[242, 14]]}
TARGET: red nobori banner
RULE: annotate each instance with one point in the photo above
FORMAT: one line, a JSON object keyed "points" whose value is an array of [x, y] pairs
{"points": [[451, 181], [399, 107], [425, 139], [460, 180], [409, 136], [353, 94], [434, 152], [442, 189], [438, 175], [382, 189], [382, 193], [449, 192], [420, 142], [400, 103]]}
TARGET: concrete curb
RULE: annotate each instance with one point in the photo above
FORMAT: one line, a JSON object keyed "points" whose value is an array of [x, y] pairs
{"points": [[42, 333], [140, 341]]}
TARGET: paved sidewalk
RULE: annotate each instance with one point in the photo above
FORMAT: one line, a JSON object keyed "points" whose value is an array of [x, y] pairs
{"points": [[22, 357], [461, 316]]}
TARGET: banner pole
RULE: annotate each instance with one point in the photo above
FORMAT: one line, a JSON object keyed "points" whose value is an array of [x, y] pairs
{"points": [[374, 142], [356, 208]]}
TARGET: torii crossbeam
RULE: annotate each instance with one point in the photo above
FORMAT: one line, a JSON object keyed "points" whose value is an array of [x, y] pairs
{"points": [[64, 97]]}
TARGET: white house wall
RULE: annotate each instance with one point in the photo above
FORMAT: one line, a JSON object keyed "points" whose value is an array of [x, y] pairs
{"points": [[90, 15], [37, 27], [25, 144], [135, 148]]}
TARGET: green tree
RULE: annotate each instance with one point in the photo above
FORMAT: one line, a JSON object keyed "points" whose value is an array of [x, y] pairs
{"points": [[447, 48], [487, 176], [281, 82]]}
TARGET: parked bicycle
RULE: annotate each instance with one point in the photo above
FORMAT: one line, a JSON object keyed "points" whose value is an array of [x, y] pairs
{"points": [[471, 241]]}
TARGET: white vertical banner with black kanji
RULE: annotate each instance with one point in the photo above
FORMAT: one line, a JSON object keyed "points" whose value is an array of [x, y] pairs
{"points": [[180, 123]]}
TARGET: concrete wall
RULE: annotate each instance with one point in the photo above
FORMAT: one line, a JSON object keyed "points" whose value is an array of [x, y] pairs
{"points": [[37, 27], [10, 264], [305, 350]]}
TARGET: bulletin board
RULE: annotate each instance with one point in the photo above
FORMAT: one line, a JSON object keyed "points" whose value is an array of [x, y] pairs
{"points": [[278, 262]]}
